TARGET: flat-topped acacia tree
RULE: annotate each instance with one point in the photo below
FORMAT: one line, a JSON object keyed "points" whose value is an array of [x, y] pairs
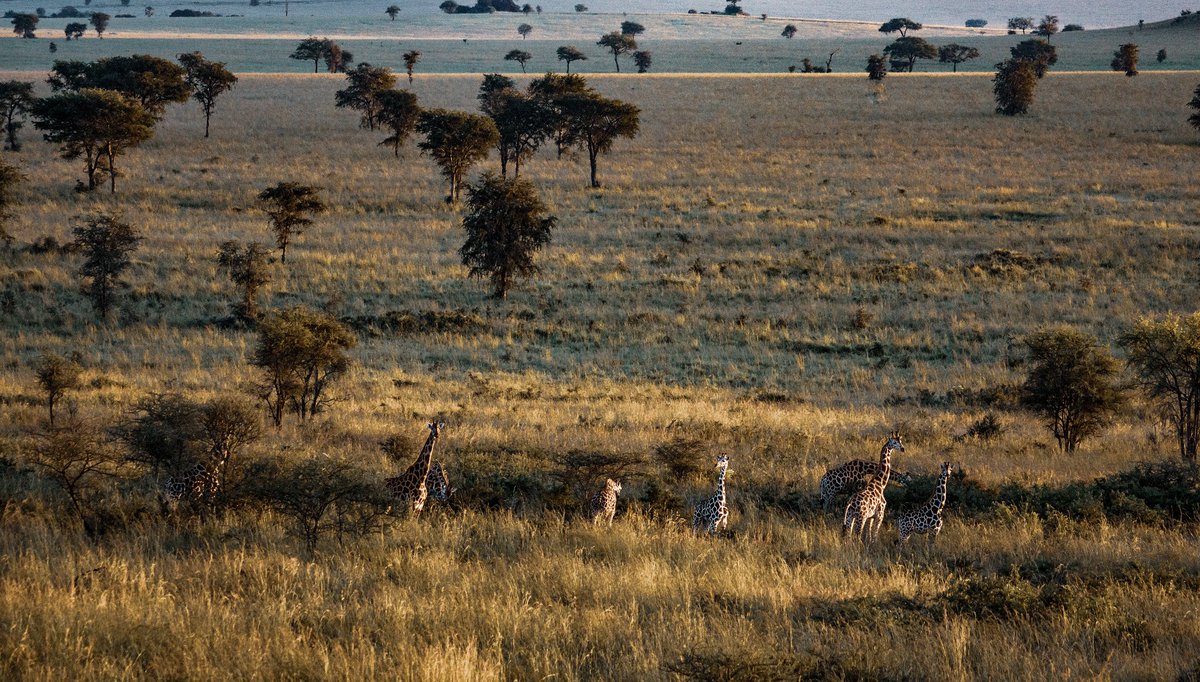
{"points": [[15, 99], [596, 122], [569, 53], [98, 125], [153, 81], [364, 85], [398, 113], [618, 45]]}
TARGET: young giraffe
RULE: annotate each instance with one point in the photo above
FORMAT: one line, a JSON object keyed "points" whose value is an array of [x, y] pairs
{"points": [[928, 517], [438, 483], [836, 479], [712, 513], [409, 487], [604, 503], [864, 513]]}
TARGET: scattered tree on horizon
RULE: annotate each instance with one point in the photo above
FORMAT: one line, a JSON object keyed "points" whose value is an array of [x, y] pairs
{"points": [[16, 98], [581, 8], [311, 49], [98, 125], [1126, 59], [506, 225], [518, 56], [1039, 53], [1013, 86], [248, 268], [1162, 56], [410, 62], [1047, 27], [153, 82], [24, 25], [208, 80], [642, 59], [956, 54], [618, 45], [789, 31], [1022, 24], [364, 85], [908, 50], [632, 29], [74, 30], [901, 25], [288, 206], [1072, 384], [456, 140], [398, 113], [99, 21], [392, 11], [106, 244], [1165, 356], [570, 53], [524, 30]]}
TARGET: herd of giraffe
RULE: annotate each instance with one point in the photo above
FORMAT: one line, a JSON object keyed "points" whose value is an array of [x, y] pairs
{"points": [[427, 477]]}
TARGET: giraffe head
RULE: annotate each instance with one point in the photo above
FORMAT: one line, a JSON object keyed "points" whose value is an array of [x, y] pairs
{"points": [[723, 462], [946, 469], [895, 442], [435, 428], [612, 485]]}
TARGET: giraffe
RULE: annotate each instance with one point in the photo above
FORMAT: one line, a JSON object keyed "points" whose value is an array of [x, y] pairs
{"points": [[409, 487], [604, 502], [712, 512], [864, 513], [199, 483], [928, 517], [838, 478], [438, 483]]}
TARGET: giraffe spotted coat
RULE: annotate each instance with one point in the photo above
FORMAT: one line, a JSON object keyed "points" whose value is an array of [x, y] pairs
{"points": [[712, 513], [603, 504], [928, 517], [865, 511]]}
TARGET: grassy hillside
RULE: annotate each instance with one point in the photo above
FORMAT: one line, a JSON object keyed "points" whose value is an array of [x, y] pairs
{"points": [[778, 268]]}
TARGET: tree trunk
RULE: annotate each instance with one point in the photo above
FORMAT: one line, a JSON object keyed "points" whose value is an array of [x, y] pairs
{"points": [[592, 162], [207, 116], [112, 171], [617, 62], [568, 67]]}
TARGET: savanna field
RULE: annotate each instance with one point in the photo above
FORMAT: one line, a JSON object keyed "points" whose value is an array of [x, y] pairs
{"points": [[781, 269]]}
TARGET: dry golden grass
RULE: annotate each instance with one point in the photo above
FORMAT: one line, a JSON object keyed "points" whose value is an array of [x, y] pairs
{"points": [[711, 288]]}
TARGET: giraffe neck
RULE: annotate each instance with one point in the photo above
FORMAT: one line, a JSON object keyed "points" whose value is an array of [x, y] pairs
{"points": [[885, 469], [720, 496], [425, 459], [939, 495]]}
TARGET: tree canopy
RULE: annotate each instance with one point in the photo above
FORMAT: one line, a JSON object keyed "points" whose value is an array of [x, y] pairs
{"points": [[518, 56], [1013, 86], [16, 97], [398, 113], [288, 206], [208, 80], [1165, 356], [568, 54], [901, 25], [506, 225], [106, 244], [153, 81], [1072, 384], [1038, 53], [1126, 59], [908, 50], [596, 122], [24, 25], [98, 125], [456, 140], [618, 45], [364, 85], [956, 54]]}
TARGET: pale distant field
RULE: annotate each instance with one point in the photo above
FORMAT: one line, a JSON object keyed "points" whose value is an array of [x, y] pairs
{"points": [[779, 267]]}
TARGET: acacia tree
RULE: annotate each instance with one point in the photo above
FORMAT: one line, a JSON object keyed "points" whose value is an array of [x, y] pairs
{"points": [[956, 54], [319, 495], [618, 45], [1161, 56], [74, 30], [456, 140], [1048, 26], [524, 30], [365, 83], [25, 24], [523, 122], [1072, 384], [901, 25], [336, 59], [312, 49], [106, 244], [518, 56], [98, 125], [1165, 356], [789, 31], [153, 81], [392, 11], [10, 177], [398, 113], [1126, 59], [1039, 53], [1013, 86], [410, 62], [596, 122], [909, 50], [16, 97], [99, 21], [248, 268], [288, 206], [208, 80], [506, 225], [55, 376], [551, 89], [568, 54], [1022, 24], [876, 68], [300, 352], [642, 60], [632, 29]]}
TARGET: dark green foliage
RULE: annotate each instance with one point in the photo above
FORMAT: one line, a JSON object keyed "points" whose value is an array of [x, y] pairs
{"points": [[55, 376], [1013, 86], [74, 30], [208, 80], [642, 59], [1165, 356], [392, 11], [683, 457], [99, 21], [899, 25], [16, 97], [1072, 27], [876, 68], [410, 62], [249, 269], [1022, 24], [568, 54], [1161, 56], [956, 54], [10, 177], [523, 121], [551, 90], [398, 113], [288, 206], [617, 44], [24, 25], [1048, 26], [524, 30], [311, 49], [448, 6], [300, 352], [506, 225], [165, 432], [1126, 59], [595, 122], [456, 140], [364, 85], [1072, 384], [909, 50], [1039, 53], [976, 23], [98, 125], [789, 31], [106, 244], [632, 29], [518, 56], [320, 495], [153, 81]]}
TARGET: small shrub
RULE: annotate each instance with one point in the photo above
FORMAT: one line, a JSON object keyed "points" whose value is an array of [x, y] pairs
{"points": [[55, 376], [987, 428], [683, 457]]}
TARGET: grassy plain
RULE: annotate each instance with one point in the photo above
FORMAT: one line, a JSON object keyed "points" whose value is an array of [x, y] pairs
{"points": [[777, 266]]}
